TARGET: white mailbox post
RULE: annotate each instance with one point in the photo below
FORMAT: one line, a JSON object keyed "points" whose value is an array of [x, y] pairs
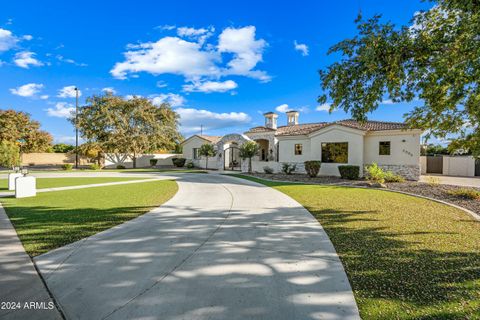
{"points": [[25, 187], [11, 180]]}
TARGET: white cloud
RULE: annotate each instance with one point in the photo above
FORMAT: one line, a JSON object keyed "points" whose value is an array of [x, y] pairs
{"points": [[7, 40], [27, 90], [27, 37], [61, 110], [283, 108], [175, 100], [168, 55], [387, 101], [166, 27], [193, 60], [191, 119], [68, 92], [25, 59], [201, 34], [61, 58], [303, 48], [210, 86], [161, 84], [109, 90], [324, 107], [66, 139], [246, 50], [44, 96]]}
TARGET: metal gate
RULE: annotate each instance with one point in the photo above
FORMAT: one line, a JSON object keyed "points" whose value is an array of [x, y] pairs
{"points": [[477, 167], [232, 159], [435, 164]]}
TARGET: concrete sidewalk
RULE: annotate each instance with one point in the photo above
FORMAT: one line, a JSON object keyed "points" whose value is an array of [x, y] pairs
{"points": [[221, 248], [19, 281], [454, 181]]}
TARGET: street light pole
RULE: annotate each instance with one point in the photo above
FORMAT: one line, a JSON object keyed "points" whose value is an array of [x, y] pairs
{"points": [[76, 128]]}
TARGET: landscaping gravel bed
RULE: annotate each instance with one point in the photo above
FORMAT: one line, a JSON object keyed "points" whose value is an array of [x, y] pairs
{"points": [[436, 191]]}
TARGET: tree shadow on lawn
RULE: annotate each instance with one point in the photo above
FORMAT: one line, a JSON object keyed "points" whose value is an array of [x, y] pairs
{"points": [[43, 228], [381, 265]]}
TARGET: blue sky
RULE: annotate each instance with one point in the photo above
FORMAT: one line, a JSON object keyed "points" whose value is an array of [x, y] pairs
{"points": [[219, 65]]}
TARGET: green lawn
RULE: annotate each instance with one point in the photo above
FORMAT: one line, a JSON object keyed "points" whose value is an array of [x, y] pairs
{"points": [[405, 257], [43, 183], [54, 219]]}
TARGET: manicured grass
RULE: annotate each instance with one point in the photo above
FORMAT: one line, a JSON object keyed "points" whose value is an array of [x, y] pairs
{"points": [[43, 183], [405, 257], [54, 219]]}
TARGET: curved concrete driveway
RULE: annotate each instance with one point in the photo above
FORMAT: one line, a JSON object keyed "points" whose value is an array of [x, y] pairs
{"points": [[221, 248]]}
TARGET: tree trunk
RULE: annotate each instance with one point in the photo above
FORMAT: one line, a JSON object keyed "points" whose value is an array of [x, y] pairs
{"points": [[249, 165], [206, 164], [134, 158]]}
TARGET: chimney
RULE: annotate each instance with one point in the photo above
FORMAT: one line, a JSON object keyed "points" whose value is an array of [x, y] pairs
{"points": [[292, 117], [271, 120]]}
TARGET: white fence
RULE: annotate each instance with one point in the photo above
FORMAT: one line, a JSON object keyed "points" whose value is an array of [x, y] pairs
{"points": [[462, 166], [112, 160]]}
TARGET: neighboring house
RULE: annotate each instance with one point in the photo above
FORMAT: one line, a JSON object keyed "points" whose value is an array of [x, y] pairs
{"points": [[389, 144], [191, 146]]}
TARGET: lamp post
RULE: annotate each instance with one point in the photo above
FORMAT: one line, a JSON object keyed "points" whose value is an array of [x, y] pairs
{"points": [[76, 128]]}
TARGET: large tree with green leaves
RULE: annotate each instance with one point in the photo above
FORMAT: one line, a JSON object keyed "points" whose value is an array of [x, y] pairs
{"points": [[17, 127], [9, 154], [132, 126], [435, 62]]}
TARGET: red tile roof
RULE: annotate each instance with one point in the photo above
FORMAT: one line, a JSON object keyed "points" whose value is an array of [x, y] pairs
{"points": [[307, 128]]}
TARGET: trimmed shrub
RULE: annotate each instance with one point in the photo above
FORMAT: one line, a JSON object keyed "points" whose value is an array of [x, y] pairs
{"points": [[392, 177], [179, 162], [190, 164], [349, 172], [121, 167], [94, 166], [375, 173], [465, 193], [288, 168], [312, 168], [267, 170], [153, 162], [67, 166]]}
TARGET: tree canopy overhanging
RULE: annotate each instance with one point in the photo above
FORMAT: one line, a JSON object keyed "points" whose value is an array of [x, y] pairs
{"points": [[434, 62]]}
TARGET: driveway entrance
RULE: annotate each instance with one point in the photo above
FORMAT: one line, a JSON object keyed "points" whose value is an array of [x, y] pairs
{"points": [[221, 248]]}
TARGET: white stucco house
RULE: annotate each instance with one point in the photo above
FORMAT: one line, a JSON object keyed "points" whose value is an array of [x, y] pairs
{"points": [[389, 144]]}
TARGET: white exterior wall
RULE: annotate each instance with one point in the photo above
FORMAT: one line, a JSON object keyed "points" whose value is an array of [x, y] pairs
{"points": [[197, 142], [463, 166], [113, 160], [287, 149], [404, 148], [338, 134], [423, 164]]}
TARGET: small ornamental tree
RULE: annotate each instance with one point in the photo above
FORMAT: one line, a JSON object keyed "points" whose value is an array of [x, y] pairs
{"points": [[207, 151], [247, 151], [9, 154]]}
